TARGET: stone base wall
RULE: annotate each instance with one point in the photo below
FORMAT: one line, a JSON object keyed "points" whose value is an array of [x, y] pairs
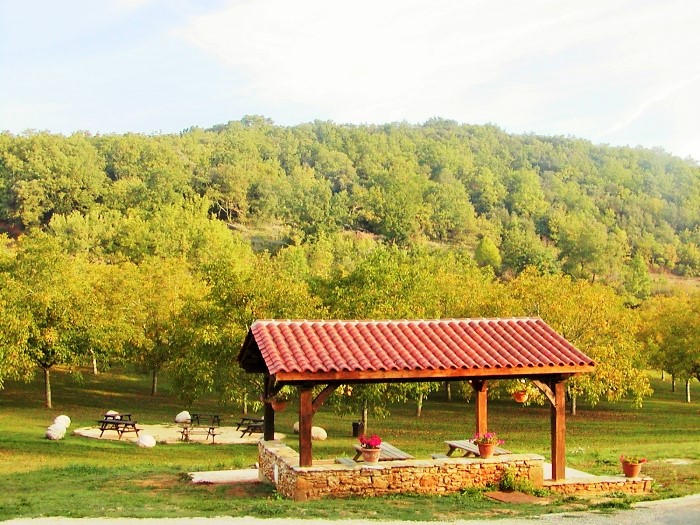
{"points": [[279, 464], [602, 485]]}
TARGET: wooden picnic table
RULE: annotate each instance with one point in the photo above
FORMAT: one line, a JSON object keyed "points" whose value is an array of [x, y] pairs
{"points": [[120, 425], [214, 419], [469, 448], [388, 452], [124, 416], [248, 425], [188, 430]]}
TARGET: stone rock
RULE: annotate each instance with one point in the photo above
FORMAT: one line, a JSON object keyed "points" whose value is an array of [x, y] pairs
{"points": [[64, 421], [318, 434], [146, 441], [55, 432], [183, 417], [113, 413]]}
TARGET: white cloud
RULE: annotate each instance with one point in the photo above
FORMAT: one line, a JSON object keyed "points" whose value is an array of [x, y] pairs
{"points": [[621, 71], [522, 65]]}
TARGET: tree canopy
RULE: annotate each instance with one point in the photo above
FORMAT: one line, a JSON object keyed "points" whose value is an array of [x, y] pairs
{"points": [[159, 251]]}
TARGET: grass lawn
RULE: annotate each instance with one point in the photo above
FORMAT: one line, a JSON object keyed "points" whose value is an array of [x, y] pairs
{"points": [[80, 477]]}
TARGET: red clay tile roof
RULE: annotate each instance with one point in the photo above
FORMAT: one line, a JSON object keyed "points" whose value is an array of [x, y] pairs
{"points": [[336, 348]]}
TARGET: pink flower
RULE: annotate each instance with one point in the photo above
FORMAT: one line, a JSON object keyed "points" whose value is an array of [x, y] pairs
{"points": [[488, 438], [374, 441], [632, 459]]}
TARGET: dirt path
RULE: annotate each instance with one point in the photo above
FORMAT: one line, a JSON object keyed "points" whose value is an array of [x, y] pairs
{"points": [[171, 434]]}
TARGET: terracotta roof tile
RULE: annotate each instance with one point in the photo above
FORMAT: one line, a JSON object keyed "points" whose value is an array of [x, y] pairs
{"points": [[347, 346]]}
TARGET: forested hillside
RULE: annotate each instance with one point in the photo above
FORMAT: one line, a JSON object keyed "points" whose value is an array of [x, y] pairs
{"points": [[560, 204], [160, 250]]}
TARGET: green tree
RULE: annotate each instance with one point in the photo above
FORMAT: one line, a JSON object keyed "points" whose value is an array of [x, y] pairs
{"points": [[487, 254], [168, 307], [671, 335], [50, 291], [594, 319], [47, 174], [521, 248]]}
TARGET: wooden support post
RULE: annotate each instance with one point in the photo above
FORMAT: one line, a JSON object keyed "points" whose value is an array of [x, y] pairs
{"points": [[558, 424], [481, 390], [305, 422], [269, 414]]}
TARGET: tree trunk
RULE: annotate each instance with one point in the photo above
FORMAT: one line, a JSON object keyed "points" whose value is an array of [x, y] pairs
{"points": [[673, 382], [94, 363], [662, 376], [419, 405], [687, 390], [448, 387], [245, 404], [364, 416], [47, 388], [573, 405], [154, 382]]}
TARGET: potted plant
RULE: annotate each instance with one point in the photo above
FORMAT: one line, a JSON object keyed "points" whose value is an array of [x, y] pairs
{"points": [[632, 465], [520, 396], [371, 448], [278, 401], [487, 443]]}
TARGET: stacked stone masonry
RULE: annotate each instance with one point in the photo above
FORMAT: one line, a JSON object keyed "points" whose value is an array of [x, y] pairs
{"points": [[602, 485], [279, 464]]}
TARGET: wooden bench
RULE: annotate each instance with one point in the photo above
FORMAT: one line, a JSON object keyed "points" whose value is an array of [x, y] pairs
{"points": [[249, 428], [245, 421], [187, 431], [388, 452], [120, 425], [469, 448]]}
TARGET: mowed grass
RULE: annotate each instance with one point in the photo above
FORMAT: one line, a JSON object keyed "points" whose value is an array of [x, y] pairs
{"points": [[79, 477]]}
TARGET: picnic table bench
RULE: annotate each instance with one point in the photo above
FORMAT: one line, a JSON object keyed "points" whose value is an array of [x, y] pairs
{"points": [[248, 425], [189, 430], [120, 425], [388, 452], [469, 448], [214, 419]]}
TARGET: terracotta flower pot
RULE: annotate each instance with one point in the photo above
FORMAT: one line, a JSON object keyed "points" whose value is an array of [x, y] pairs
{"points": [[486, 449], [631, 470], [371, 455], [520, 397], [279, 406]]}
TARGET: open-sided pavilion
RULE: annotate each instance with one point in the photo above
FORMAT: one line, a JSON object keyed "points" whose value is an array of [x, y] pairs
{"points": [[307, 354]]}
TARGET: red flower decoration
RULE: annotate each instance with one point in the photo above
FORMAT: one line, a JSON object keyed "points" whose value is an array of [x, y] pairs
{"points": [[370, 442]]}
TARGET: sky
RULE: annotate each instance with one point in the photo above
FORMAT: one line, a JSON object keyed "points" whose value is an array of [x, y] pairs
{"points": [[618, 72]]}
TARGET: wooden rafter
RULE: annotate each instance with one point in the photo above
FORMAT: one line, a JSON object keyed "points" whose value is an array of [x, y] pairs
{"points": [[323, 395]]}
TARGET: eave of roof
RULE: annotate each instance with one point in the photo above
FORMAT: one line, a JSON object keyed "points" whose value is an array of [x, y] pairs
{"points": [[347, 351]]}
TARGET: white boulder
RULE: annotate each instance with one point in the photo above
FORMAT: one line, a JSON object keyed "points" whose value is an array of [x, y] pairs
{"points": [[146, 441], [183, 417], [55, 432], [317, 433], [64, 421], [112, 413]]}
